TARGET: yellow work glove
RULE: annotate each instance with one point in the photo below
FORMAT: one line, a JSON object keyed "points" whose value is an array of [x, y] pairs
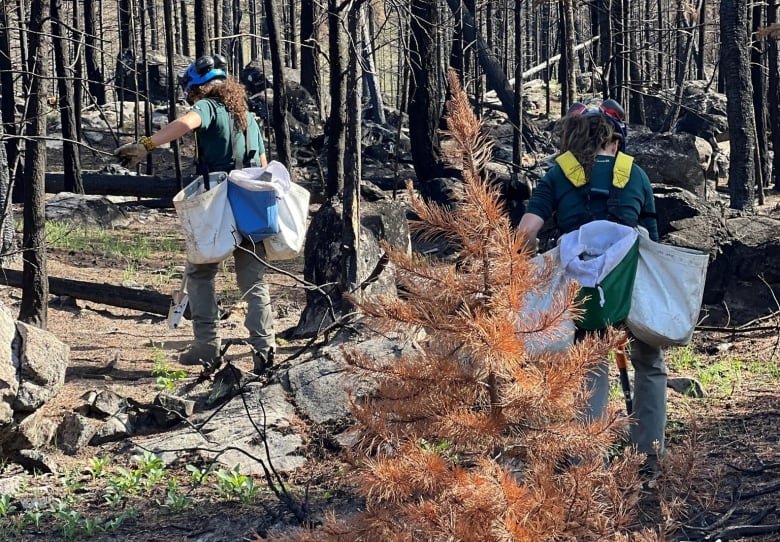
{"points": [[131, 154]]}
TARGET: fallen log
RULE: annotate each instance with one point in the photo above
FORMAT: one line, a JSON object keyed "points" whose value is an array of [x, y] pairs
{"points": [[107, 184], [107, 294]]}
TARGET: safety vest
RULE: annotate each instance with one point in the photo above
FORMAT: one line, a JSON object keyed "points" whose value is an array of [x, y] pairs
{"points": [[621, 173]]}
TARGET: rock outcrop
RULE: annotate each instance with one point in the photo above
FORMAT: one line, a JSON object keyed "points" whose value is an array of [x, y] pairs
{"points": [[32, 371]]}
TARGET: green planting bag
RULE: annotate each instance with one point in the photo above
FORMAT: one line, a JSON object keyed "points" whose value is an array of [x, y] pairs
{"points": [[609, 303], [602, 257]]}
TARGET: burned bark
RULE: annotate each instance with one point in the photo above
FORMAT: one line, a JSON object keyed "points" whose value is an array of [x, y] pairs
{"points": [[735, 66], [280, 125], [35, 287], [426, 95], [107, 294], [71, 158]]}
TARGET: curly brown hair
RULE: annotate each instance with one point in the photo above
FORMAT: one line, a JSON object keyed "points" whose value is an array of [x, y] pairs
{"points": [[584, 136], [228, 91]]}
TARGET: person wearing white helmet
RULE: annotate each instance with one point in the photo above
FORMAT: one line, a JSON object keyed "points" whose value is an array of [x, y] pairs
{"points": [[227, 137]]}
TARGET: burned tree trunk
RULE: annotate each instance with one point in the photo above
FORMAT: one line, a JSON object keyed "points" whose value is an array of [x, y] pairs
{"points": [[7, 92], [310, 79], [6, 210], [281, 127], [759, 105], [773, 97], [567, 66], [352, 166], [70, 150], [35, 285], [735, 65], [426, 95], [338, 102], [94, 75], [201, 28]]}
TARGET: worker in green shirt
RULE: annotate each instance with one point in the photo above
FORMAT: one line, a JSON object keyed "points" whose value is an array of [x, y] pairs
{"points": [[593, 180], [227, 137]]}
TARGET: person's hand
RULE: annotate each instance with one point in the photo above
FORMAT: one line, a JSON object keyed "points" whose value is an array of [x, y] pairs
{"points": [[131, 154]]}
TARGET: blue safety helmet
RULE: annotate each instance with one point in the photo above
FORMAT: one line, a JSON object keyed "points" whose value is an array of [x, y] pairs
{"points": [[611, 110], [205, 69]]}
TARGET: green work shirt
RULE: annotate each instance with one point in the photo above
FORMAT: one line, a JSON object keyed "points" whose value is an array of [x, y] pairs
{"points": [[556, 194], [214, 136]]}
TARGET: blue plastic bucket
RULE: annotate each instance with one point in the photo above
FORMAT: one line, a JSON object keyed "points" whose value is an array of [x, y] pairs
{"points": [[255, 211]]}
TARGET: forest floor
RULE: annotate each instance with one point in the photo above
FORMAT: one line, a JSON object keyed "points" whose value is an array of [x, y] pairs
{"points": [[722, 448]]}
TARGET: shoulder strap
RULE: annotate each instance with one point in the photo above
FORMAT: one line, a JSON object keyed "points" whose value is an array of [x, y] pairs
{"points": [[249, 153], [621, 172], [572, 169]]}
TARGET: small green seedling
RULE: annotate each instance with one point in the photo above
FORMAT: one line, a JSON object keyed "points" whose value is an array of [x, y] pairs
{"points": [[97, 467], [5, 506]]}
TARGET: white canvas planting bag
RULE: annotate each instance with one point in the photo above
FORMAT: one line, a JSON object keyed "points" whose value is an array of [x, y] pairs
{"points": [[293, 210], [667, 293], [560, 338], [210, 233]]}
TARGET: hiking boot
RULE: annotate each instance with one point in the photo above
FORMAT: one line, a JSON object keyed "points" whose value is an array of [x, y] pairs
{"points": [[262, 360], [649, 472], [200, 353]]}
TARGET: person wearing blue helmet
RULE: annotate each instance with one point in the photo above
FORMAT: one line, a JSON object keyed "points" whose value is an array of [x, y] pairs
{"points": [[593, 179], [227, 137]]}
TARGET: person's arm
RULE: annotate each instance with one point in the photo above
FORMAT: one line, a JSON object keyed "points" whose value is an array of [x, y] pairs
{"points": [[540, 208], [530, 224], [176, 129], [263, 160], [130, 154]]}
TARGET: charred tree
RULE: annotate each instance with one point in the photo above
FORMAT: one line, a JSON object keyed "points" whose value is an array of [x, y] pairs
{"points": [[6, 209], [281, 127], [735, 66], [567, 65], [338, 101], [185, 28], [201, 27], [369, 75], [226, 45], [517, 134], [310, 79], [71, 159], [352, 159], [426, 95], [292, 37], [605, 47], [7, 92], [759, 104], [94, 74], [773, 95], [35, 285]]}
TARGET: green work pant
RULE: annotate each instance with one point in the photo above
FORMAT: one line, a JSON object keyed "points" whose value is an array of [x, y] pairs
{"points": [[250, 275], [649, 416]]}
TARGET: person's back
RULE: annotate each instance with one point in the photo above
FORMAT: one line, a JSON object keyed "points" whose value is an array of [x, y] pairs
{"points": [[219, 140]]}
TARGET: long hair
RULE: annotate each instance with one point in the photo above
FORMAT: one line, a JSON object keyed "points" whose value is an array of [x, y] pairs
{"points": [[230, 92], [584, 136]]}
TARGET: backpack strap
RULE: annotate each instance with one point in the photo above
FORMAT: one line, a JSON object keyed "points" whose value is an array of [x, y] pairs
{"points": [[249, 153], [621, 172], [572, 169]]}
